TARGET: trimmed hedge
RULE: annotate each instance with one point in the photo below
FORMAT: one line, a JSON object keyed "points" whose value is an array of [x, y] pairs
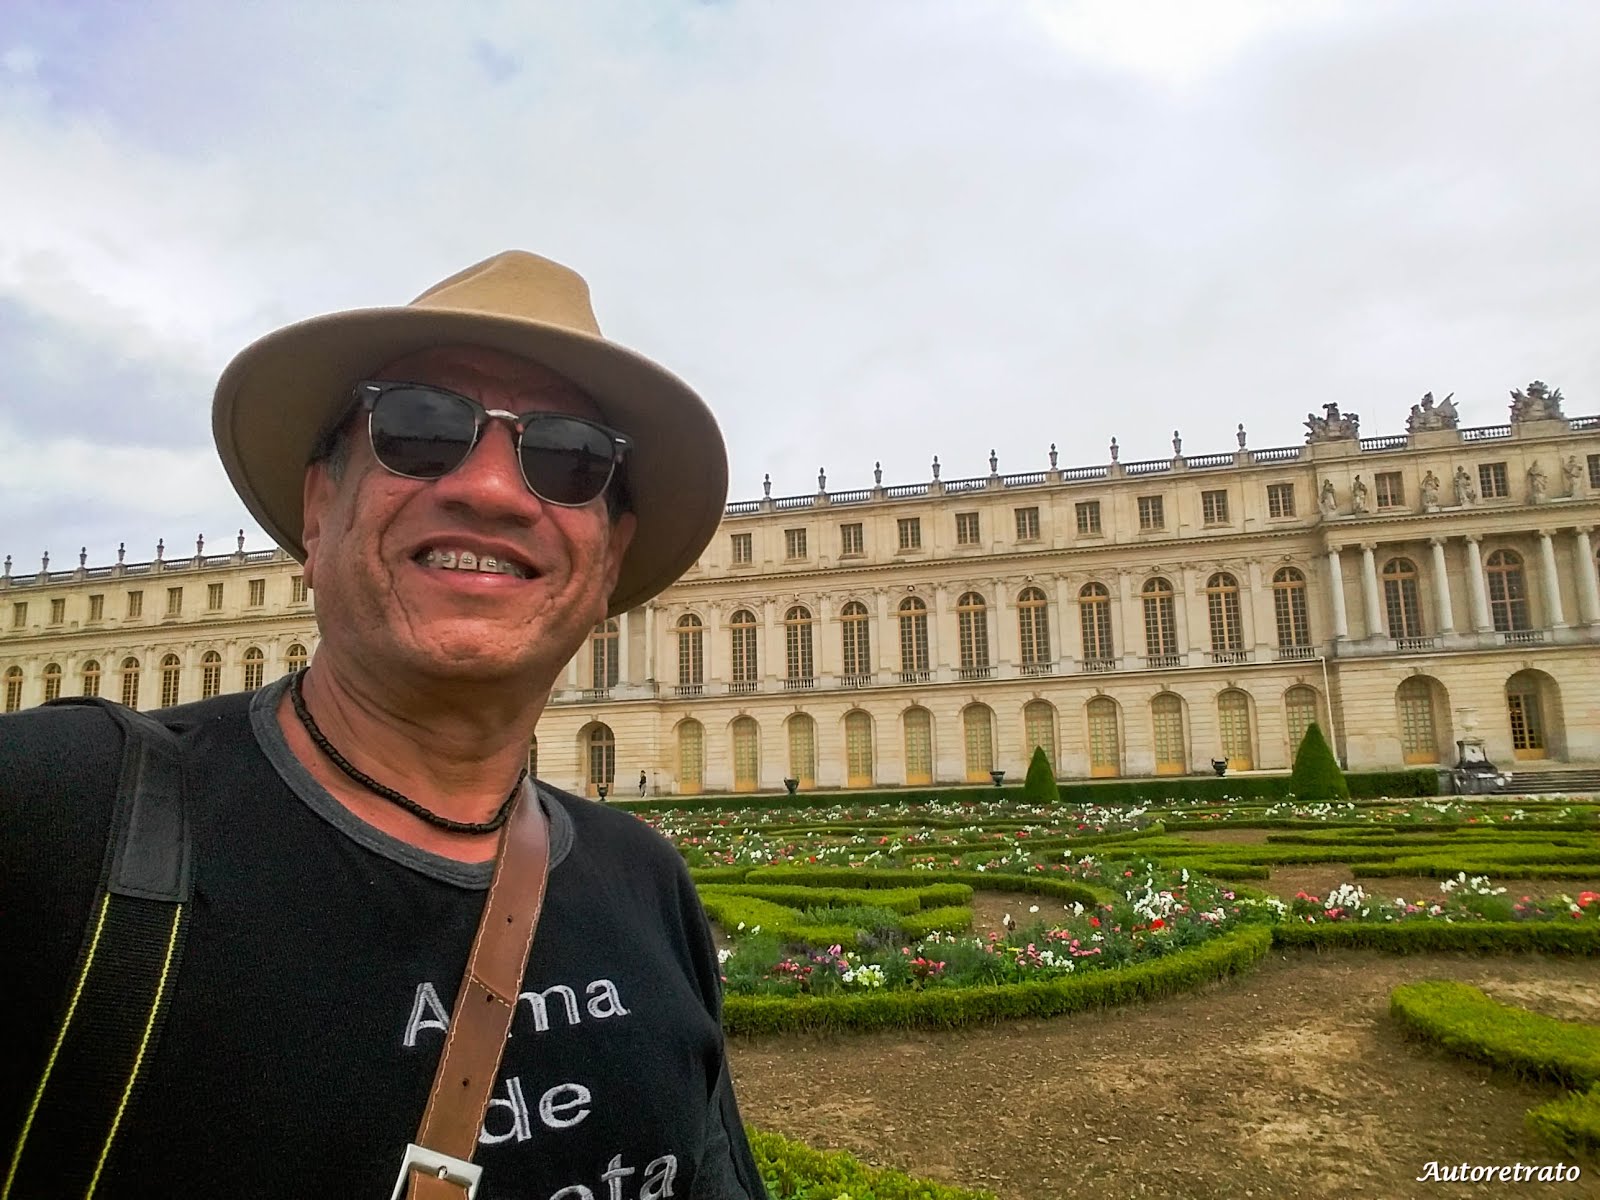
{"points": [[794, 1171], [950, 1007], [951, 918], [1060, 889], [1316, 774], [1570, 1124], [1422, 937], [1363, 785], [900, 900], [1039, 785], [1440, 868], [1462, 1019], [718, 874]]}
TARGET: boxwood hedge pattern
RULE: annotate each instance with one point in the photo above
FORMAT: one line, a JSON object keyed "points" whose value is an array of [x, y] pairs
{"points": [[1463, 1020]]}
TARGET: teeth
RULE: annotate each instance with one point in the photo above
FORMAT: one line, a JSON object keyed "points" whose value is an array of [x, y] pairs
{"points": [[466, 560]]}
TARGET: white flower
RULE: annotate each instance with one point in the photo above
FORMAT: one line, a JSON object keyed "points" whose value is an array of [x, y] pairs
{"points": [[724, 955], [1033, 908]]}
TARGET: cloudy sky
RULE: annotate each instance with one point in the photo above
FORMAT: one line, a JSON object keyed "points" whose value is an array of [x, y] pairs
{"points": [[865, 231]]}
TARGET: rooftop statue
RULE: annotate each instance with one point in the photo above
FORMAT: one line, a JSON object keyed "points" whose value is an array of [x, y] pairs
{"points": [[1427, 415], [1332, 426], [1538, 403]]}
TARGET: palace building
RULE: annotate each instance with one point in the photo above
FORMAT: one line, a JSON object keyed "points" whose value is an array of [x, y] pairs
{"points": [[1133, 618]]}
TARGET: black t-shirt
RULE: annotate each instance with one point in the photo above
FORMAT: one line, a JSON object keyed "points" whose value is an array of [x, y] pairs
{"points": [[321, 963]]}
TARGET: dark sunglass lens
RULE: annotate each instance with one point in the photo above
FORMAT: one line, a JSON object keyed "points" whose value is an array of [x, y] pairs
{"points": [[420, 432], [566, 461]]}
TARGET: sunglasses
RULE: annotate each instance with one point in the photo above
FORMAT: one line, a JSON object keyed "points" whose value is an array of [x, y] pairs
{"points": [[423, 432]]}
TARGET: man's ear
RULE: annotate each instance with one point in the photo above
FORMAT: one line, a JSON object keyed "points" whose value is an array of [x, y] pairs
{"points": [[315, 500], [622, 531]]}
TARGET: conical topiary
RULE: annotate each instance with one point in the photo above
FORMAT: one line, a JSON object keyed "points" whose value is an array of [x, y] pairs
{"points": [[1316, 773], [1041, 781]]}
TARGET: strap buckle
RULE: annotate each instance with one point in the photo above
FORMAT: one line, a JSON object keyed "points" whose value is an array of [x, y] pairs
{"points": [[456, 1170]]}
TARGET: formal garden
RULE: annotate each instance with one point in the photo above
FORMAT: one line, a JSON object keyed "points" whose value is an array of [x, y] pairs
{"points": [[1333, 957]]}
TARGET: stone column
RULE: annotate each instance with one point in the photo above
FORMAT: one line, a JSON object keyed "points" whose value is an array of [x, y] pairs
{"points": [[1341, 623], [1066, 602], [624, 635], [941, 661], [1002, 625], [1477, 592], [711, 641], [827, 647], [1259, 621], [650, 643], [572, 667], [1190, 615], [887, 634], [1445, 617], [1588, 588], [1371, 610], [1123, 616], [1555, 618]]}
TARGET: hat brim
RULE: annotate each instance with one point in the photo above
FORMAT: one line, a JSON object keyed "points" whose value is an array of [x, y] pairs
{"points": [[281, 392]]}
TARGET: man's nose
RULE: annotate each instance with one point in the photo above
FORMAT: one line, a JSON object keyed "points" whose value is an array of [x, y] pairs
{"points": [[492, 472]]}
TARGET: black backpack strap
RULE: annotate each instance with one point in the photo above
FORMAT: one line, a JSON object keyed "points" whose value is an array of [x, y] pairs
{"points": [[123, 981]]}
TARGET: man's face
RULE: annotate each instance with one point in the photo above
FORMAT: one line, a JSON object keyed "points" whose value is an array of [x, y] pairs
{"points": [[368, 534]]}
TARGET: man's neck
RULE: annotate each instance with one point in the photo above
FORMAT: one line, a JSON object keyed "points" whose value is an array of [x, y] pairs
{"points": [[455, 752]]}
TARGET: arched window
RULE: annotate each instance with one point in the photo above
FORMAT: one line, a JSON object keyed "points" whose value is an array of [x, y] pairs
{"points": [[1300, 705], [746, 754], [1160, 622], [1094, 615], [802, 749], [746, 672], [294, 658], [604, 659], [602, 746], [1105, 742], [1233, 718], [130, 682], [913, 640], [854, 626], [91, 677], [171, 671], [210, 675], [691, 758], [972, 625], [1289, 608], [1166, 719], [691, 655], [1039, 729], [799, 667], [13, 689], [1419, 737], [1033, 631], [918, 725], [52, 682], [1222, 608], [1525, 710], [858, 749], [1400, 600], [255, 663], [1508, 591], [977, 727]]}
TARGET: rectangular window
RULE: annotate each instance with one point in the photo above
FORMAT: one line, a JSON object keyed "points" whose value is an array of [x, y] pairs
{"points": [[794, 543], [258, 592], [297, 589], [135, 605], [213, 597], [1027, 524], [1594, 471], [1391, 489], [1152, 514], [1492, 481], [966, 529], [175, 602], [19, 614], [1088, 517], [743, 549], [910, 529], [1280, 499], [58, 611], [97, 607], [851, 542], [1214, 507]]}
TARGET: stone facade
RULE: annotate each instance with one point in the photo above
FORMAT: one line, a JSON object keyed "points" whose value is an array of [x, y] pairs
{"points": [[1133, 617]]}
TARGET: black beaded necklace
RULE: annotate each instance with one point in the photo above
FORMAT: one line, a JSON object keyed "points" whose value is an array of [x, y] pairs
{"points": [[297, 698]]}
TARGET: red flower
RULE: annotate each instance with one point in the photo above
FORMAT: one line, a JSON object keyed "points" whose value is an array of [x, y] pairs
{"points": [[1095, 921], [1158, 923]]}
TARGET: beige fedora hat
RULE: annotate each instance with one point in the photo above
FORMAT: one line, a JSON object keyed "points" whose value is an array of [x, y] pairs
{"points": [[280, 393]]}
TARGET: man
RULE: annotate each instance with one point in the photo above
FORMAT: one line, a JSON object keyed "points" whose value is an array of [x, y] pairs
{"points": [[642, 783], [473, 482]]}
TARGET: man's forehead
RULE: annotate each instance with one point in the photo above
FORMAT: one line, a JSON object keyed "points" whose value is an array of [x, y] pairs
{"points": [[475, 369]]}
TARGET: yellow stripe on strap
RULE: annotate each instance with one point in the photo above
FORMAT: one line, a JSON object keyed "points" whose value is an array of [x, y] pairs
{"points": [[138, 1061], [50, 1063]]}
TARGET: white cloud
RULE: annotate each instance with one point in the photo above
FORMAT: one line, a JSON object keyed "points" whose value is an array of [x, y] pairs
{"points": [[869, 233]]}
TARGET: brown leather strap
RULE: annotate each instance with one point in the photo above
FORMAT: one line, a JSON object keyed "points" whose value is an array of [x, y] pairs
{"points": [[487, 1001]]}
